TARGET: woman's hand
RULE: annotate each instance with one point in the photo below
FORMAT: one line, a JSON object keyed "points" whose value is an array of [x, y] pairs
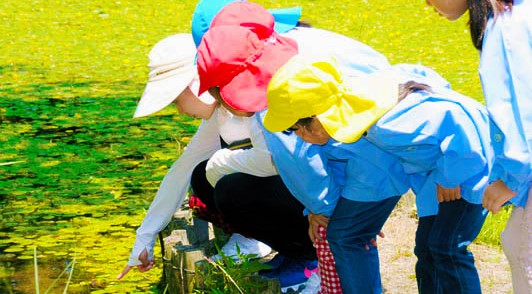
{"points": [[145, 266]]}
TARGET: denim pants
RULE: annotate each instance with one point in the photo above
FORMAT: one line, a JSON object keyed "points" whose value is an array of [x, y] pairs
{"points": [[445, 265], [351, 227]]}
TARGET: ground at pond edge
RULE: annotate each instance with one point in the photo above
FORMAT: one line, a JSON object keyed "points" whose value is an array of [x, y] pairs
{"points": [[398, 260]]}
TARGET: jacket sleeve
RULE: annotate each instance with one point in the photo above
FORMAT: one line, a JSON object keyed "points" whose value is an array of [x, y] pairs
{"points": [[506, 74], [174, 188], [305, 171], [255, 161]]}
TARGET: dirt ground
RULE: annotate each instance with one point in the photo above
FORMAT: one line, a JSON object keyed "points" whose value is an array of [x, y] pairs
{"points": [[398, 260]]}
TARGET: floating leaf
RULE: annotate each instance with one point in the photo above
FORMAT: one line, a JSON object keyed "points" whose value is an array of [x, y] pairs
{"points": [[14, 249]]}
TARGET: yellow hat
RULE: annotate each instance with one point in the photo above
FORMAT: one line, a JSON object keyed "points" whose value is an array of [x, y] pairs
{"points": [[309, 85]]}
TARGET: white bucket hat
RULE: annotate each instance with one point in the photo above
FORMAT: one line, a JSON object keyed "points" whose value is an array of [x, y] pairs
{"points": [[172, 69]]}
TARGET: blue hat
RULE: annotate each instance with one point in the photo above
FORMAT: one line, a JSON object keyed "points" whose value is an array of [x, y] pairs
{"points": [[285, 18]]}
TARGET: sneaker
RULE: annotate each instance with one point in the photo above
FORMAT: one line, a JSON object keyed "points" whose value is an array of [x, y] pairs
{"points": [[247, 246], [275, 264], [313, 284], [294, 273]]}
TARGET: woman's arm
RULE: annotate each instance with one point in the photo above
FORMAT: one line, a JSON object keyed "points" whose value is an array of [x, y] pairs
{"points": [[174, 188]]}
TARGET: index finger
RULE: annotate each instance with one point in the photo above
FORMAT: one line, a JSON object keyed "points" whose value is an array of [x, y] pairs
{"points": [[439, 193], [124, 272], [457, 193]]}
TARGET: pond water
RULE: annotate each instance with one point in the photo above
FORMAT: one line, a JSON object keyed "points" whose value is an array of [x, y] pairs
{"points": [[76, 176]]}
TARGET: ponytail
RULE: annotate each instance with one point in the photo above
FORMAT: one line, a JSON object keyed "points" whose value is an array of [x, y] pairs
{"points": [[479, 13]]}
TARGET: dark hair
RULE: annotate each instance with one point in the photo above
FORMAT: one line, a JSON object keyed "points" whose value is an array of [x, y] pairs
{"points": [[303, 122], [479, 13], [410, 87], [405, 89], [303, 24]]}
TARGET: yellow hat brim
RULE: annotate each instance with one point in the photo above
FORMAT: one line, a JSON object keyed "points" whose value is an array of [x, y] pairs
{"points": [[368, 99], [277, 124]]}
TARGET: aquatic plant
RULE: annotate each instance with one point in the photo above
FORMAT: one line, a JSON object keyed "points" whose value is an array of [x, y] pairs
{"points": [[231, 275]]}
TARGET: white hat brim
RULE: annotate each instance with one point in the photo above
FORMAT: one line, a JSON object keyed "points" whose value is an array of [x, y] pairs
{"points": [[160, 93]]}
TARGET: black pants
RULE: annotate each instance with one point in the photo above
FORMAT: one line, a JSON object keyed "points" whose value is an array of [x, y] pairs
{"points": [[258, 207]]}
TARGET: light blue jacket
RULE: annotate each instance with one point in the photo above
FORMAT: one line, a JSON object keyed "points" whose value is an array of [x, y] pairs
{"points": [[440, 138], [506, 76], [319, 175], [369, 174], [306, 171]]}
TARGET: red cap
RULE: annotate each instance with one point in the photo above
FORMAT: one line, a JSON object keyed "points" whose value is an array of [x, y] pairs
{"points": [[242, 60], [246, 14]]}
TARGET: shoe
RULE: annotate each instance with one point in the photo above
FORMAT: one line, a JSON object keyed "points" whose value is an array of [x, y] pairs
{"points": [[313, 284], [276, 261], [247, 246], [275, 264], [294, 273]]}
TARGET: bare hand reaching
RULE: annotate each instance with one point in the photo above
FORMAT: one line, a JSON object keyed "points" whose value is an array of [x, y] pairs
{"points": [[145, 266]]}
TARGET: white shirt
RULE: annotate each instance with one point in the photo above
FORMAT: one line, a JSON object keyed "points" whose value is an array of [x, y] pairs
{"points": [[204, 144], [256, 161], [354, 57]]}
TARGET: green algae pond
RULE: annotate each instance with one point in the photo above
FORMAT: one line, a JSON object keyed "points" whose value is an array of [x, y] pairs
{"points": [[76, 178], [77, 172]]}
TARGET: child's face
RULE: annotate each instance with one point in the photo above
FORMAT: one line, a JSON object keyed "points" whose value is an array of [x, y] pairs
{"points": [[215, 92], [314, 133], [450, 9], [189, 104]]}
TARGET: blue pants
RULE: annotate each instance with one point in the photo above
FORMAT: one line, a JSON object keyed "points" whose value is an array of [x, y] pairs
{"points": [[444, 264], [351, 227]]}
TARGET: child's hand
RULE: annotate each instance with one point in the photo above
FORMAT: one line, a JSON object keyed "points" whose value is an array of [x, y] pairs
{"points": [[496, 194], [145, 266], [373, 241], [316, 220], [448, 194]]}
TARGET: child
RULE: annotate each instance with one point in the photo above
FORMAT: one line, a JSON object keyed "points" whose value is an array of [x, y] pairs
{"points": [[217, 62], [173, 78], [215, 58], [285, 18], [502, 31], [354, 57], [444, 151]]}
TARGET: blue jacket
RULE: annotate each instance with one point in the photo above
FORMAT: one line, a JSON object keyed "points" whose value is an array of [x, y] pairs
{"points": [[440, 137], [310, 176], [506, 76], [369, 174]]}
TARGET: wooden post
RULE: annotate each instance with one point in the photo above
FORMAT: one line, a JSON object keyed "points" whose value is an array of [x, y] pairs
{"points": [[184, 259], [184, 244], [187, 241]]}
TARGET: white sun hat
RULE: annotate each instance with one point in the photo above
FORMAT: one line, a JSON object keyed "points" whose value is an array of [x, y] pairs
{"points": [[172, 69]]}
